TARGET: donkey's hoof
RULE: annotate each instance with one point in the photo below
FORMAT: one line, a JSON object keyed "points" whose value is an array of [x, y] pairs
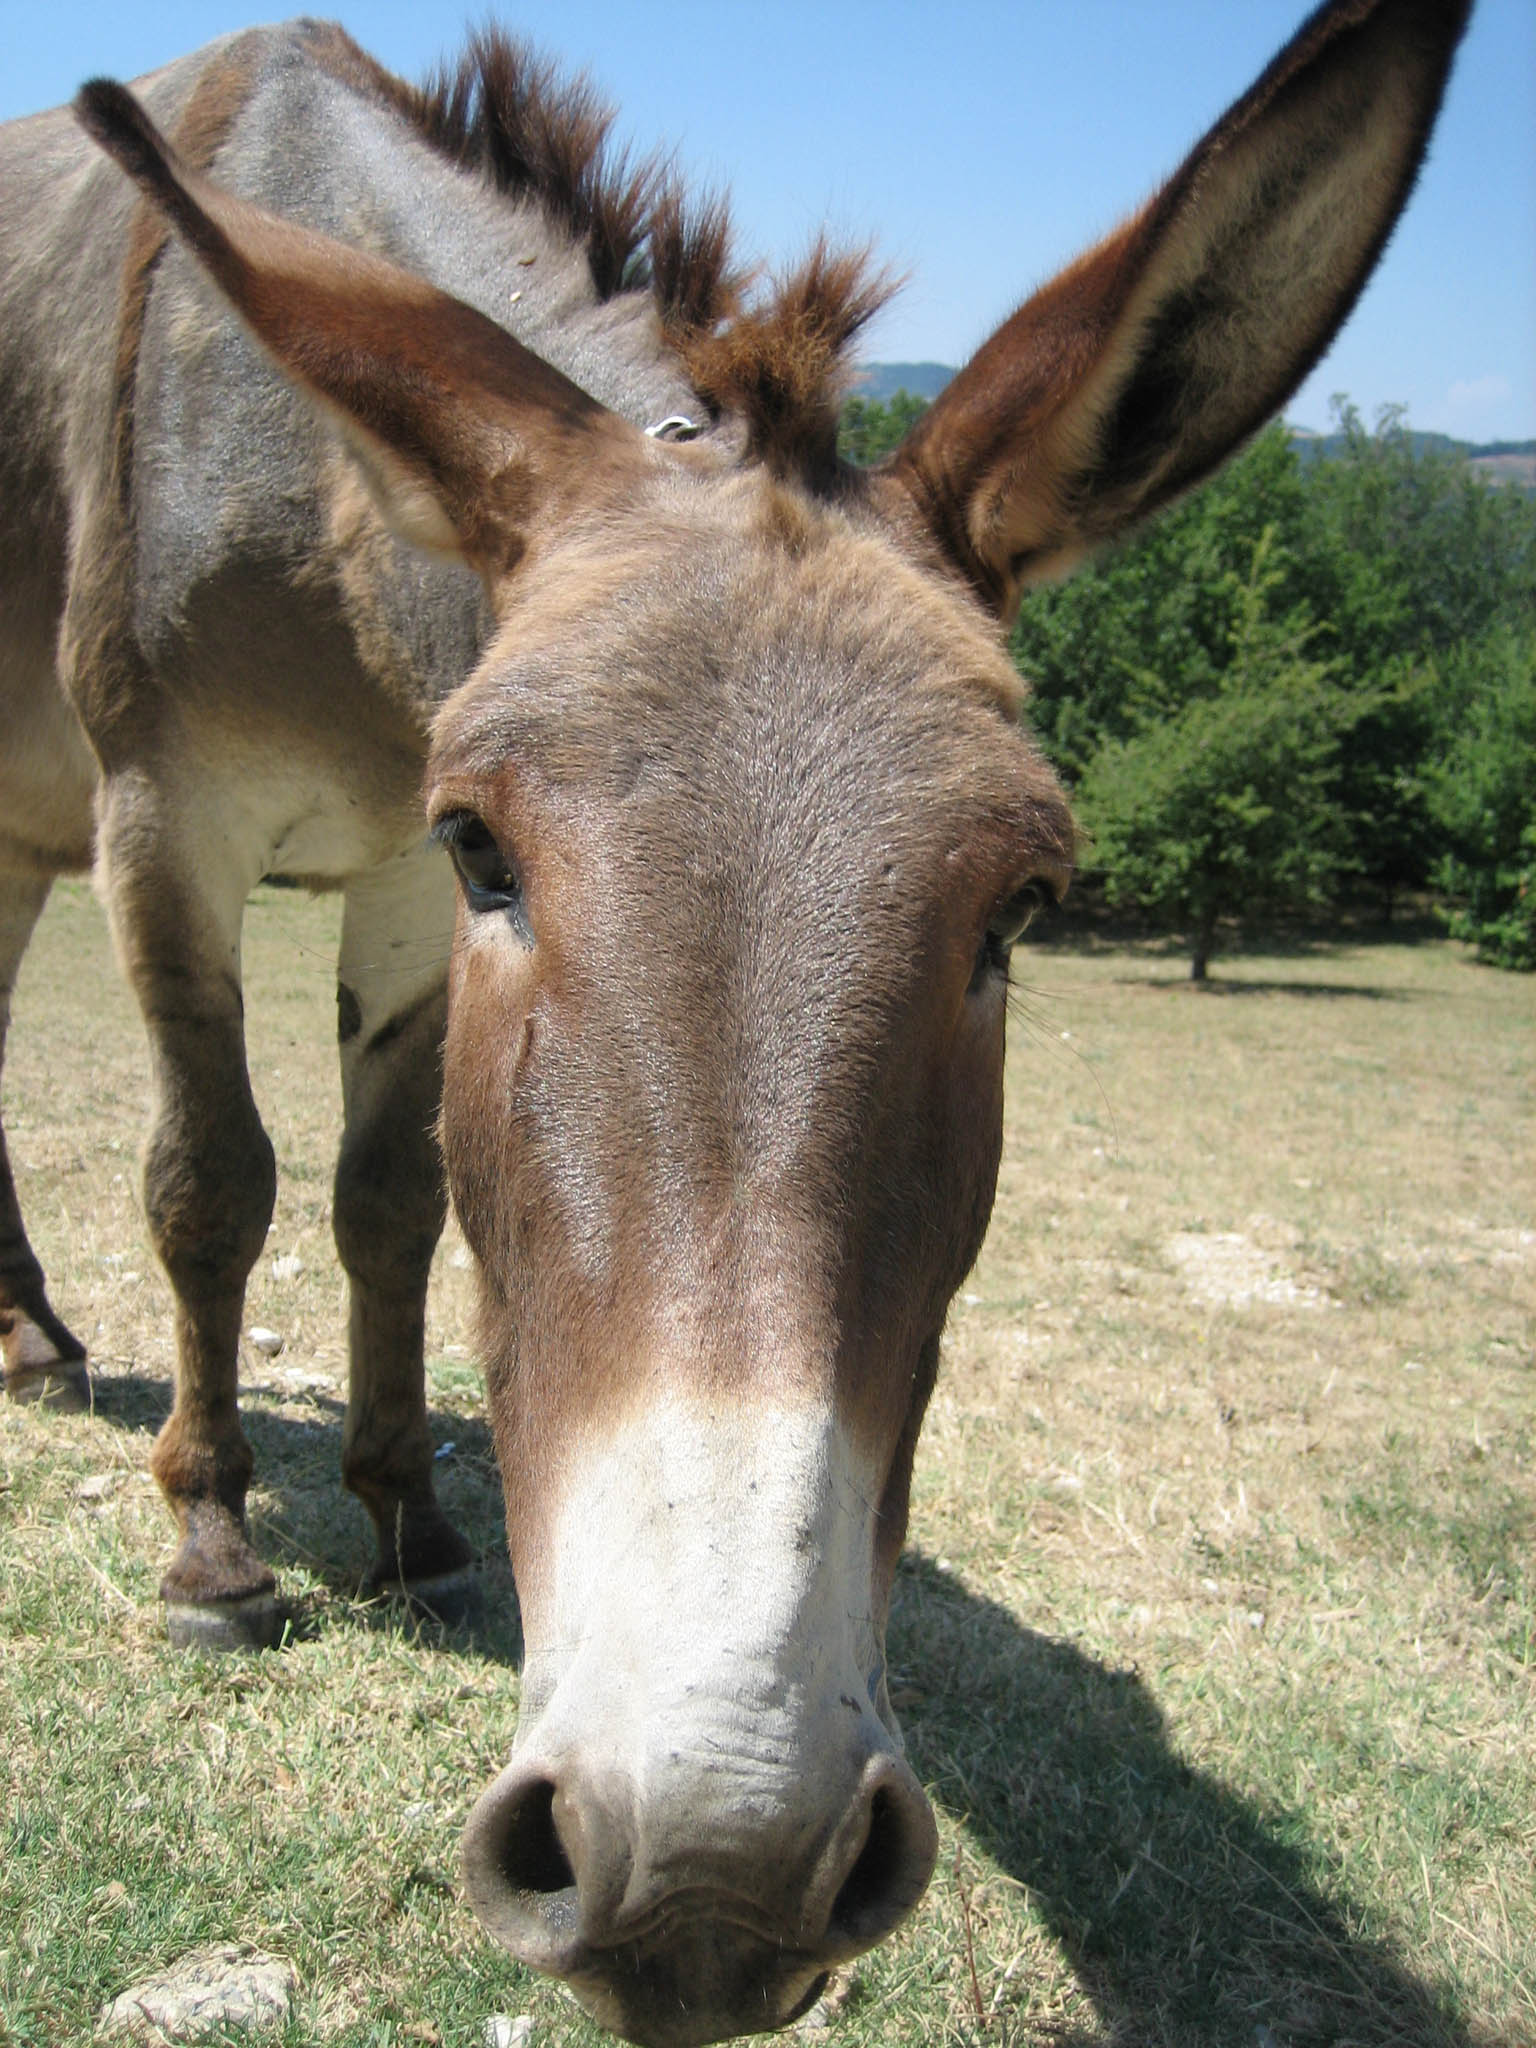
{"points": [[259, 1621], [43, 1361], [60, 1383], [448, 1597]]}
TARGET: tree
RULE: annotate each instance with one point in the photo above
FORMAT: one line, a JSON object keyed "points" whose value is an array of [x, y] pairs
{"points": [[872, 427], [1423, 557], [1163, 603], [1481, 793], [1398, 551], [1424, 552], [1220, 802]]}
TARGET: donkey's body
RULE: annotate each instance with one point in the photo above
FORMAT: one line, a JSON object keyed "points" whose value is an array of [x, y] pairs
{"points": [[217, 664], [724, 747]]}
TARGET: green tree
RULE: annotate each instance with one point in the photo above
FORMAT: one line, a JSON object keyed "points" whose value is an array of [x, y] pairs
{"points": [[1397, 550], [1164, 603], [1423, 557], [1424, 553], [1220, 802], [872, 427], [1481, 793]]}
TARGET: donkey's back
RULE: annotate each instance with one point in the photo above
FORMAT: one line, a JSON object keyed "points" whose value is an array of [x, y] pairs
{"points": [[161, 484]]}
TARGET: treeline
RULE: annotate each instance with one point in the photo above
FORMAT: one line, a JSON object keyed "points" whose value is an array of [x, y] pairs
{"points": [[1304, 687]]}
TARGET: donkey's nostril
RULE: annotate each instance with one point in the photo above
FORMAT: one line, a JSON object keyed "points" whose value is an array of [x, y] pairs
{"points": [[532, 1855], [893, 1865], [519, 1872]]}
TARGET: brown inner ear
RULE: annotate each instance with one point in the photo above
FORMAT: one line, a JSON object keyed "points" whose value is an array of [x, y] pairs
{"points": [[1140, 369]]}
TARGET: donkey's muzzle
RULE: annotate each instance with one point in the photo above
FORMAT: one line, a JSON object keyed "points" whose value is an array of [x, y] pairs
{"points": [[676, 1928]]}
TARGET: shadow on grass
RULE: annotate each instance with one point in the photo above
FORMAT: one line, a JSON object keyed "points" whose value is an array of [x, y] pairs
{"points": [[304, 1516], [1219, 985], [1094, 930], [1188, 1915]]}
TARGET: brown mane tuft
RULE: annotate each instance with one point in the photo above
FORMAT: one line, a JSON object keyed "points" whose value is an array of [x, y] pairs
{"points": [[778, 364]]}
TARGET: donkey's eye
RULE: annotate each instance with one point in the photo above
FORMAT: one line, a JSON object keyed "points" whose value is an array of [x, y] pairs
{"points": [[1007, 926], [1012, 919], [489, 876]]}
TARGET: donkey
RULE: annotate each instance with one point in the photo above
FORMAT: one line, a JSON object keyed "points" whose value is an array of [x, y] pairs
{"points": [[441, 459]]}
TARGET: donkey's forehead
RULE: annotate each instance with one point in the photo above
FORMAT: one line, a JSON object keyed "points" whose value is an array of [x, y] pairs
{"points": [[743, 633]]}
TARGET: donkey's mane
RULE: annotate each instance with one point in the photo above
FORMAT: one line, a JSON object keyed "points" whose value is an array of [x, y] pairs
{"points": [[776, 357]]}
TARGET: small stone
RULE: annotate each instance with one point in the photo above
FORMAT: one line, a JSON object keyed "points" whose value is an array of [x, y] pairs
{"points": [[823, 2015], [206, 1991], [502, 2032], [97, 1486], [287, 1266], [267, 1342]]}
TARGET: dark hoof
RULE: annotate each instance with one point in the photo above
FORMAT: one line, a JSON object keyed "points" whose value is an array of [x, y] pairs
{"points": [[60, 1383], [259, 1621], [449, 1597], [43, 1361]]}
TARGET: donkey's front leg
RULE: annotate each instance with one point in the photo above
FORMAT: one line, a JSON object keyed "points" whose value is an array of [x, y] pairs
{"points": [[389, 1211], [176, 897], [42, 1360]]}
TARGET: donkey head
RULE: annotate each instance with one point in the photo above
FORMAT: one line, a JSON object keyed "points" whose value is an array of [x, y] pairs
{"points": [[746, 829]]}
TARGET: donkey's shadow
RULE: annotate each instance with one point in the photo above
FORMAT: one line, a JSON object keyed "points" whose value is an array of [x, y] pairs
{"points": [[1185, 1913], [301, 1515]]}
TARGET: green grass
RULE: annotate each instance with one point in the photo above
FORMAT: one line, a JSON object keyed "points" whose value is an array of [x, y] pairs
{"points": [[1216, 1639]]}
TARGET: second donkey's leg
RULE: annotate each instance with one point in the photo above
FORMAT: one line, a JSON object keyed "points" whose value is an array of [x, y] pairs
{"points": [[42, 1360], [176, 890], [389, 1211]]}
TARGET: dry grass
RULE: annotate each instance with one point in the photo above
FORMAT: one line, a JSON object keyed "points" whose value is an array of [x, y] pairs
{"points": [[1217, 1639]]}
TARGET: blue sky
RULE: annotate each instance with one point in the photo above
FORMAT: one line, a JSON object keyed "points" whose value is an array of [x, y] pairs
{"points": [[981, 145]]}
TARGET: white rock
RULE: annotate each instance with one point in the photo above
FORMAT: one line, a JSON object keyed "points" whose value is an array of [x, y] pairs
{"points": [[502, 2032], [267, 1342], [210, 1989], [287, 1266]]}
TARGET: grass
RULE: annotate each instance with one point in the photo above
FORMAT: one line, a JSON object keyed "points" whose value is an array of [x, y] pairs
{"points": [[1216, 1639]]}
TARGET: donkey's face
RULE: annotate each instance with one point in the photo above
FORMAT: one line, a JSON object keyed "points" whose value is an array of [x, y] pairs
{"points": [[745, 828]]}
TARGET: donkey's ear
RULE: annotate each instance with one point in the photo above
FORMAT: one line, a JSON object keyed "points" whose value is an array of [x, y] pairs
{"points": [[464, 436], [1134, 373]]}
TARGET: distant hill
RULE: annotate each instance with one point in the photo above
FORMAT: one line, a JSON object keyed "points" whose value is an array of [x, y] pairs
{"points": [[884, 380], [1501, 462], [1504, 462]]}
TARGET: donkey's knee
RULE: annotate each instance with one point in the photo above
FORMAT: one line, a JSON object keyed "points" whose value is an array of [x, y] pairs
{"points": [[390, 1201], [210, 1185]]}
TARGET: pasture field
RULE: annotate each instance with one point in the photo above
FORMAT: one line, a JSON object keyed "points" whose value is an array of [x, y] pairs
{"points": [[1216, 1637]]}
